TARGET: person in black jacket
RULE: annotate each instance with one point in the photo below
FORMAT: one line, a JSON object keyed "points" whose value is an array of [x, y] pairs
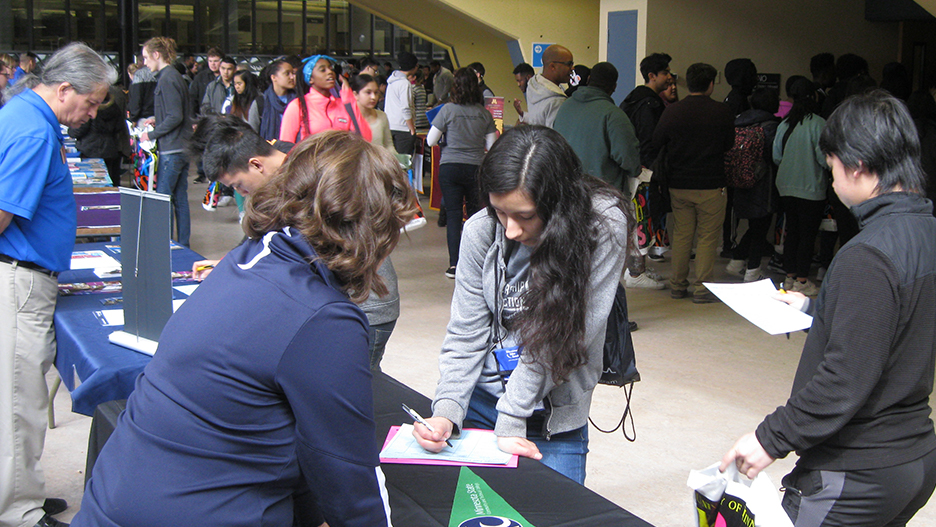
{"points": [[106, 136], [141, 94], [172, 130], [859, 413], [696, 132], [758, 203], [644, 106]]}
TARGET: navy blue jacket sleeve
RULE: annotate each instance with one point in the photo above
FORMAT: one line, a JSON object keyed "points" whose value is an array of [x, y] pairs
{"points": [[324, 374]]}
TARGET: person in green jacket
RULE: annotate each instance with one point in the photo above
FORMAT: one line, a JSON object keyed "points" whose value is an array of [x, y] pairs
{"points": [[604, 139], [802, 180]]}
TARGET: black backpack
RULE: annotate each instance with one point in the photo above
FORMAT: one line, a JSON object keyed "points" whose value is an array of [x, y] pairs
{"points": [[619, 366]]}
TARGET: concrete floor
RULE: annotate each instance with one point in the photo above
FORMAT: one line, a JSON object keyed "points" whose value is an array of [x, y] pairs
{"points": [[708, 376]]}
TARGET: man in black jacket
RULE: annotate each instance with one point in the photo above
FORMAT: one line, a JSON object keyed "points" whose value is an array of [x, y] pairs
{"points": [[696, 132], [644, 106], [859, 414]]}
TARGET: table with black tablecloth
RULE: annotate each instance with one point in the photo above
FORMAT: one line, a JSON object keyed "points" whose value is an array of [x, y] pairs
{"points": [[106, 371], [422, 495]]}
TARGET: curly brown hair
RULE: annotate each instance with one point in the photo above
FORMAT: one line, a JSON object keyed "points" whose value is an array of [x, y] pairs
{"points": [[348, 198], [465, 87]]}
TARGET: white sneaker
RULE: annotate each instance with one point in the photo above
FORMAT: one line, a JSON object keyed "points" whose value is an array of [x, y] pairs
{"points": [[226, 201], [736, 266], [641, 281], [788, 283], [652, 274], [807, 288], [753, 275]]}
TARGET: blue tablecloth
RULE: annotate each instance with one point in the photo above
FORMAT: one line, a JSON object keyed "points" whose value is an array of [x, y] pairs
{"points": [[107, 372]]}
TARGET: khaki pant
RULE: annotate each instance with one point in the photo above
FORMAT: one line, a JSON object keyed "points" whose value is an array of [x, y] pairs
{"points": [[696, 213], [27, 350]]}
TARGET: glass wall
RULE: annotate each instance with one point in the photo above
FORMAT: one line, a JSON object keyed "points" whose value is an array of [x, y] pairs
{"points": [[239, 27]]}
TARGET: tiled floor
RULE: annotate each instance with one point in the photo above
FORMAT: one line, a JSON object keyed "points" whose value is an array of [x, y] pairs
{"points": [[708, 376]]}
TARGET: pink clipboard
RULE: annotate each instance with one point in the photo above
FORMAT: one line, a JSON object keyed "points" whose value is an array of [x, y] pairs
{"points": [[514, 459]]}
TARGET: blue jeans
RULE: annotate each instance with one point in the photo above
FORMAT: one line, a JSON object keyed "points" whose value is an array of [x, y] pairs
{"points": [[565, 453], [172, 179], [379, 335]]}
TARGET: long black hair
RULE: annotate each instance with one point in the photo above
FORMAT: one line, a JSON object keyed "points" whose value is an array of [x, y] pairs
{"points": [[538, 161], [241, 102], [803, 93]]}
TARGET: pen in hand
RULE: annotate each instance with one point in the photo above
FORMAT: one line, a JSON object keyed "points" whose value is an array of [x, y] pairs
{"points": [[412, 413]]}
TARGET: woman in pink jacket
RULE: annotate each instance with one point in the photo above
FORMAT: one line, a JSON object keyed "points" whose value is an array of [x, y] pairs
{"points": [[323, 107]]}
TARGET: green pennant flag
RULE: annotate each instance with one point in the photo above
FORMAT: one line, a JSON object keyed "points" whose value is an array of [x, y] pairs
{"points": [[477, 505]]}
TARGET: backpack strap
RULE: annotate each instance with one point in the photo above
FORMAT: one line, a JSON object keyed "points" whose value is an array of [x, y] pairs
{"points": [[350, 109]]}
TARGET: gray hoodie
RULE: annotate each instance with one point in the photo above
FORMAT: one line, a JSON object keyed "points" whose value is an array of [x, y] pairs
{"points": [[466, 360], [544, 98]]}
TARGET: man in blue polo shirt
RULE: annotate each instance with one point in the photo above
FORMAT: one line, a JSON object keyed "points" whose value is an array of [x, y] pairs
{"points": [[37, 235]]}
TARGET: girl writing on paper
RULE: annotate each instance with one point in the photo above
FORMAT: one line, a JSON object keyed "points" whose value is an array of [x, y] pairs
{"points": [[538, 270]]}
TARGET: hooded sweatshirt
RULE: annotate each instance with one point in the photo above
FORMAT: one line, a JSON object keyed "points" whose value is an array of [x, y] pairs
{"points": [[400, 103], [601, 135], [644, 106], [544, 98]]}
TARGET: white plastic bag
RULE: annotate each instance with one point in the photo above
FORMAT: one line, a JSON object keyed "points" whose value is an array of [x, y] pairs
{"points": [[731, 500]]}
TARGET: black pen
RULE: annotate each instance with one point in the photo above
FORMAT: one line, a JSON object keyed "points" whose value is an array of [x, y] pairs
{"points": [[412, 413]]}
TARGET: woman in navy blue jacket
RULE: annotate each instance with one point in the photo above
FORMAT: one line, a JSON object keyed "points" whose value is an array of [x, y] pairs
{"points": [[259, 395]]}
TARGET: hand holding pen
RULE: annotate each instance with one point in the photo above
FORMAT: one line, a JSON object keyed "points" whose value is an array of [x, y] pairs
{"points": [[442, 429]]}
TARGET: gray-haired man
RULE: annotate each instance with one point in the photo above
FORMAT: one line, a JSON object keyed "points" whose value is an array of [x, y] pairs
{"points": [[37, 235]]}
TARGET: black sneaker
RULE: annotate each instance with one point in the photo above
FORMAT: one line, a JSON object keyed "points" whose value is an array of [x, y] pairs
{"points": [[53, 506], [450, 272], [49, 521], [200, 179], [705, 298]]}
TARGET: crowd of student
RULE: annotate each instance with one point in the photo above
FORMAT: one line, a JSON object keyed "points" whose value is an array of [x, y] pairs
{"points": [[245, 426]]}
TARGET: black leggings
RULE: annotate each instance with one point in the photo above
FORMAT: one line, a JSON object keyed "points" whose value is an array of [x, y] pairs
{"points": [[459, 184], [803, 217], [753, 244]]}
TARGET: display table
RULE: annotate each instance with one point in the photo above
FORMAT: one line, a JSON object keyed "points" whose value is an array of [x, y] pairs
{"points": [[107, 372], [422, 495], [98, 211]]}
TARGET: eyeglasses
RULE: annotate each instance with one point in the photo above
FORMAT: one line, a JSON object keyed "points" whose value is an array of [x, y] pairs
{"points": [[568, 63]]}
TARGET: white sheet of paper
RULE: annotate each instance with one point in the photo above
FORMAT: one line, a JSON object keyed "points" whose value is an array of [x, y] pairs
{"points": [[186, 289], [753, 301], [93, 260], [474, 446], [115, 317]]}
